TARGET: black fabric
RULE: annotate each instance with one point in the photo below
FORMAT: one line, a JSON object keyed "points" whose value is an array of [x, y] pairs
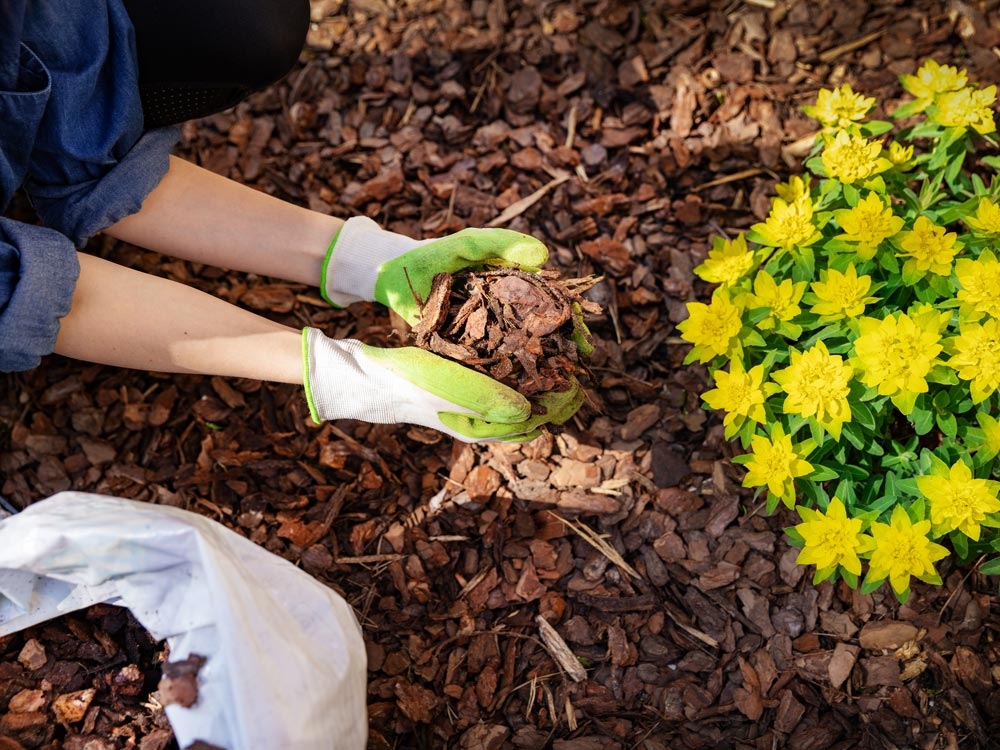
{"points": [[197, 57]]}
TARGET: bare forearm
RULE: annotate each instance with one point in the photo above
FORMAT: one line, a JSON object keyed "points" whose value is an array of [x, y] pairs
{"points": [[198, 215], [127, 318]]}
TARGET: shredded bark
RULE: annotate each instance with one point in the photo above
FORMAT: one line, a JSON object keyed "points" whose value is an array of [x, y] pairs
{"points": [[518, 327]]}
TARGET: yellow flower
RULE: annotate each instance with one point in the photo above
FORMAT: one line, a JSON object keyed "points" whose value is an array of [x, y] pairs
{"points": [[712, 328], [977, 357], [958, 500], [987, 218], [980, 282], [966, 108], [783, 299], [841, 295], [899, 154], [840, 108], [852, 158], [797, 187], [896, 354], [868, 223], [789, 225], [728, 261], [933, 79], [774, 463], [740, 394], [902, 550], [817, 384], [989, 446], [930, 248], [831, 539]]}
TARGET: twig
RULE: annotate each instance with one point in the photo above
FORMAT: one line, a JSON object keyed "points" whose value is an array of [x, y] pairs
{"points": [[834, 52], [368, 559], [735, 176], [559, 651], [571, 128], [600, 544], [519, 207]]}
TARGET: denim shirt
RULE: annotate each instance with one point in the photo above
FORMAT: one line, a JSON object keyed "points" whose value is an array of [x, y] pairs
{"points": [[71, 135]]}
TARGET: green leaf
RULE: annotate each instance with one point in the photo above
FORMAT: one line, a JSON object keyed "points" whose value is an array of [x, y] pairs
{"points": [[822, 474], [922, 420], [805, 264], [815, 165], [816, 432], [991, 161], [876, 127], [869, 586], [852, 195], [861, 414], [794, 537], [990, 567], [947, 423], [845, 491], [853, 436], [941, 285], [960, 543], [891, 484], [909, 109], [888, 262]]}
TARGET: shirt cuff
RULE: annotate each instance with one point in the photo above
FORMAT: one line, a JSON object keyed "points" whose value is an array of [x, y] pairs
{"points": [[38, 273]]}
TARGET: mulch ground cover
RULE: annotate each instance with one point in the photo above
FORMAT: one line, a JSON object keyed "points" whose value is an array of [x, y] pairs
{"points": [[610, 584]]}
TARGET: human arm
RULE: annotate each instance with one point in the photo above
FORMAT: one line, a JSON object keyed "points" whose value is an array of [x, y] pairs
{"points": [[198, 215], [127, 318]]}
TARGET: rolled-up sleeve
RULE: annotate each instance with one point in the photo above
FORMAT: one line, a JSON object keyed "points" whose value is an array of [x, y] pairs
{"points": [[83, 209], [72, 137], [91, 164], [38, 272]]}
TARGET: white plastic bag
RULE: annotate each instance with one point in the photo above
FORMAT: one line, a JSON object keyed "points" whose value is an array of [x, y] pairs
{"points": [[286, 664]]}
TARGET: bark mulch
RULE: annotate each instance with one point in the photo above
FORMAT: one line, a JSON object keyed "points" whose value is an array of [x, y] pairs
{"points": [[610, 584]]}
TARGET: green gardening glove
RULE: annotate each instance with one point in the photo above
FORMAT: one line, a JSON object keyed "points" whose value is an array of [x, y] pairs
{"points": [[349, 380], [366, 262]]}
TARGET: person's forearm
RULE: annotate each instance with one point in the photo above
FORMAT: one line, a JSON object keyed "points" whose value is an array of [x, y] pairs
{"points": [[199, 215], [127, 318]]}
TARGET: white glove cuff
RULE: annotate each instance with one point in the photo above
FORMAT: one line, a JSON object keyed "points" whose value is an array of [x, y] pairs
{"points": [[353, 260], [341, 384]]}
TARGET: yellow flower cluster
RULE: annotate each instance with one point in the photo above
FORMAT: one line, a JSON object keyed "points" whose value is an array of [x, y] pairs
{"points": [[901, 549], [863, 299]]}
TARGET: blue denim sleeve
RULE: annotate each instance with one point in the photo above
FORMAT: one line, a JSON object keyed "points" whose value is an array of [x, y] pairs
{"points": [[90, 164], [83, 209], [38, 271]]}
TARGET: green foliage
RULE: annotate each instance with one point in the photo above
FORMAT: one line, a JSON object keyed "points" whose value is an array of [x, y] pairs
{"points": [[854, 341]]}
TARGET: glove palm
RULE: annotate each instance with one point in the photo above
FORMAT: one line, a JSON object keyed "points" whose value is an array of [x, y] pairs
{"points": [[365, 262], [350, 380]]}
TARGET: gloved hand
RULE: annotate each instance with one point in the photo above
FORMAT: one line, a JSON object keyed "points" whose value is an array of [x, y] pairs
{"points": [[351, 380], [366, 262]]}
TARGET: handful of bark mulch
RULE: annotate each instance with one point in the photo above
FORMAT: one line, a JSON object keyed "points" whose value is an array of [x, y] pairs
{"points": [[524, 329]]}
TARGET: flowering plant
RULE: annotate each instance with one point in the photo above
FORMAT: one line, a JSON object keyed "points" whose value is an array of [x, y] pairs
{"points": [[853, 337]]}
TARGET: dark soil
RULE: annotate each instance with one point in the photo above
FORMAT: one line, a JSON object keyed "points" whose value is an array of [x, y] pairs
{"points": [[626, 136]]}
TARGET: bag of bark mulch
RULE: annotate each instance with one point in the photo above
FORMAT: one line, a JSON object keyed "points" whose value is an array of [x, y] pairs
{"points": [[281, 659]]}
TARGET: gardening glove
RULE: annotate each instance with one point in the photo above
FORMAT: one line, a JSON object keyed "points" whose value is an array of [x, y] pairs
{"points": [[347, 379], [366, 262]]}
